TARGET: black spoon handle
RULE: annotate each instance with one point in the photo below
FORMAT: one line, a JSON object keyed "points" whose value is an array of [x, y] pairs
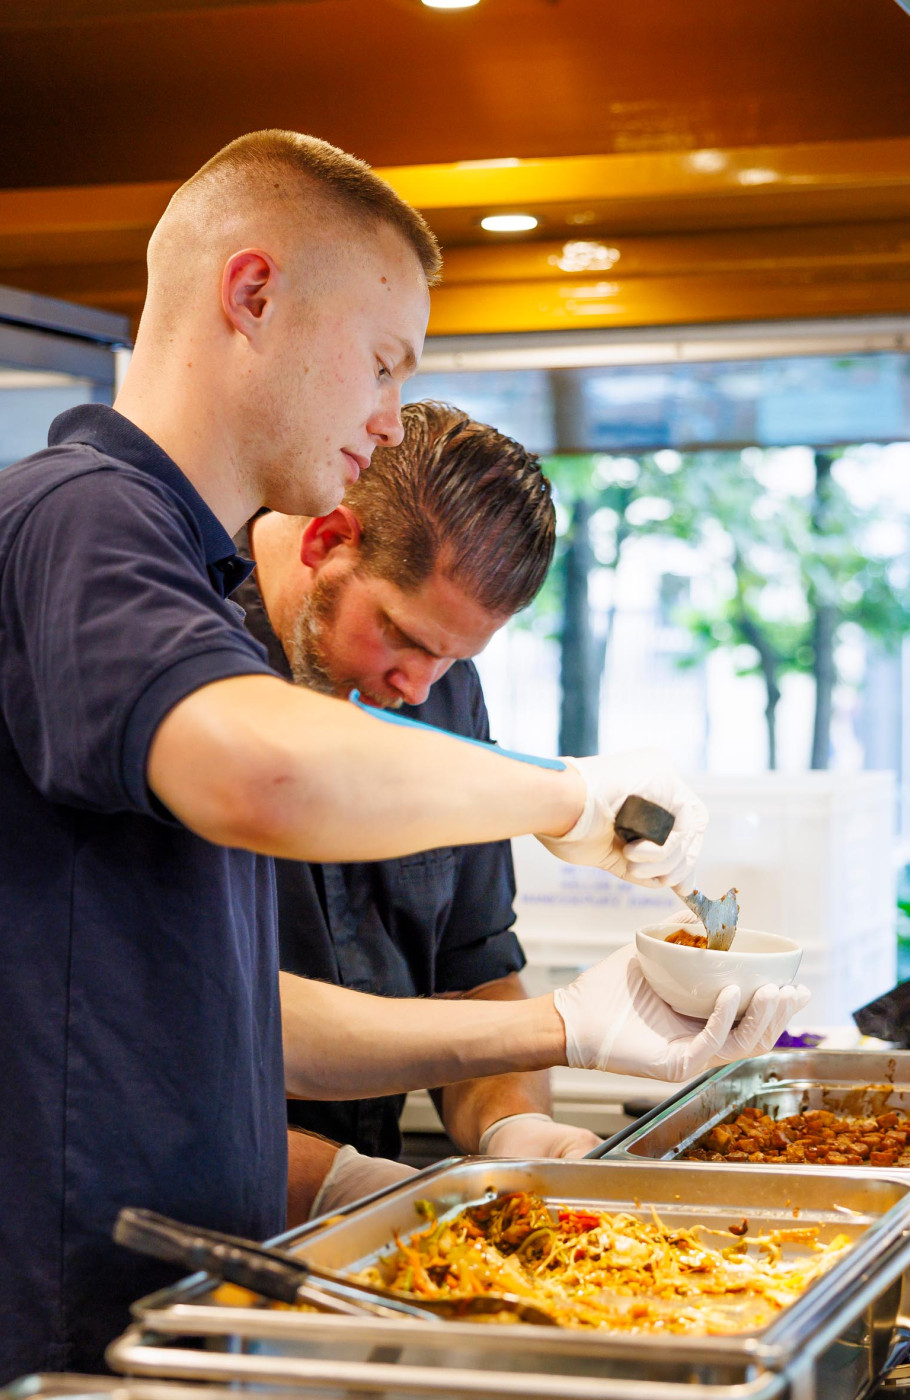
{"points": [[235, 1260], [641, 820], [266, 1271]]}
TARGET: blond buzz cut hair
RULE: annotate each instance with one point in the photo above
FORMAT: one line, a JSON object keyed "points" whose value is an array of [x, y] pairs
{"points": [[262, 161]]}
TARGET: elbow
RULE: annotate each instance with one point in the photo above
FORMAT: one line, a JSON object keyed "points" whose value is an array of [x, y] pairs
{"points": [[239, 790], [237, 764], [258, 802]]}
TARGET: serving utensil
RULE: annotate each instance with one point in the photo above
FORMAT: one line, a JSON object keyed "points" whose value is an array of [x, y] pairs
{"points": [[641, 820], [289, 1279], [719, 916]]}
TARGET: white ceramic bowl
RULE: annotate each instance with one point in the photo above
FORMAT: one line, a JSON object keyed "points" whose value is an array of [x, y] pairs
{"points": [[690, 978]]}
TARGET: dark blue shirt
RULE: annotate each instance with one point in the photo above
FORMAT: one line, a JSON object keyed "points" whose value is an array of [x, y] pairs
{"points": [[140, 1051], [439, 921]]}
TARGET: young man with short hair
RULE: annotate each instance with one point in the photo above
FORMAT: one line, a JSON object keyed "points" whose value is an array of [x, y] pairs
{"points": [[151, 761]]}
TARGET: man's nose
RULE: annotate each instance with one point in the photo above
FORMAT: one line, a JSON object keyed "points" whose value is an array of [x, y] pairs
{"points": [[385, 425], [414, 679]]}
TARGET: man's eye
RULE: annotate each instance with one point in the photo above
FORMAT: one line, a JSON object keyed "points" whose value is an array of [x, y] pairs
{"points": [[382, 371]]}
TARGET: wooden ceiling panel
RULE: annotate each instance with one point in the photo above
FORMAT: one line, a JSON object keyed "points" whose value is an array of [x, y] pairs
{"points": [[51, 14], [722, 235], [148, 96], [669, 301], [740, 160]]}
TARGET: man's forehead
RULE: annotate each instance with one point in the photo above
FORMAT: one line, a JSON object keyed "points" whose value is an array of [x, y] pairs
{"points": [[394, 304], [380, 248], [440, 615], [375, 253], [389, 257], [405, 321]]}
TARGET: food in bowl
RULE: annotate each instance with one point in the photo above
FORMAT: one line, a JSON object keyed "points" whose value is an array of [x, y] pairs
{"points": [[689, 979], [687, 939], [590, 1268], [814, 1137]]}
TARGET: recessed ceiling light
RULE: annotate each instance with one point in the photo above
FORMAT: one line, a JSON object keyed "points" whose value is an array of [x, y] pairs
{"points": [[508, 223], [450, 4], [757, 176], [706, 162], [578, 255]]}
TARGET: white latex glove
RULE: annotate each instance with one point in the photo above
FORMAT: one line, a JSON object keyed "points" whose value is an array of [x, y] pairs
{"points": [[615, 1021], [535, 1135], [685, 918], [352, 1176], [609, 781]]}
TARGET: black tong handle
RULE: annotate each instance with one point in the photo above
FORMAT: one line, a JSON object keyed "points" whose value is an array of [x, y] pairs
{"points": [[641, 820], [237, 1261]]}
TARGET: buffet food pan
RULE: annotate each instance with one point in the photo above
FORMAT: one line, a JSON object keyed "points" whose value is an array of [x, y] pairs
{"points": [[66, 1385], [780, 1083], [834, 1341], [347, 1382]]}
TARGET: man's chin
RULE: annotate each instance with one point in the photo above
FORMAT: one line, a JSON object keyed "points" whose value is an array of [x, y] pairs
{"points": [[376, 703]]}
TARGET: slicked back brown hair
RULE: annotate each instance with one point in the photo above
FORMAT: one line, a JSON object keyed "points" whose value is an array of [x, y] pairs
{"points": [[264, 157], [459, 497]]}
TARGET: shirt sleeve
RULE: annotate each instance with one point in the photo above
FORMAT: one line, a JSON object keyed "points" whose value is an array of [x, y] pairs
{"points": [[478, 944], [108, 620]]}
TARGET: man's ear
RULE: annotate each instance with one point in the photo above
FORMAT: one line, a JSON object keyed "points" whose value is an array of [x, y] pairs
{"points": [[248, 286], [325, 535]]}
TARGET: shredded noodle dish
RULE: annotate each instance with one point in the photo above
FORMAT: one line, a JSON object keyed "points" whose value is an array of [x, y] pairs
{"points": [[590, 1269]]}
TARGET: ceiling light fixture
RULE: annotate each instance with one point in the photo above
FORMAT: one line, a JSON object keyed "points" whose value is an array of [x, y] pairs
{"points": [[707, 161], [578, 255], [757, 176], [508, 223], [450, 4]]}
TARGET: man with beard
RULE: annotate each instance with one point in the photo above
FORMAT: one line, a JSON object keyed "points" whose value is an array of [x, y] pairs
{"points": [[363, 599]]}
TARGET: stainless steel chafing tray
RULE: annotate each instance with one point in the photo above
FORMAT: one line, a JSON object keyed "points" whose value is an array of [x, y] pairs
{"points": [[66, 1385], [781, 1083], [833, 1342], [342, 1382]]}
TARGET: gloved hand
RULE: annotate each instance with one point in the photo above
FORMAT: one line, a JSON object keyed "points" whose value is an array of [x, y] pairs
{"points": [[352, 1176], [615, 1021], [535, 1135], [684, 917], [609, 781]]}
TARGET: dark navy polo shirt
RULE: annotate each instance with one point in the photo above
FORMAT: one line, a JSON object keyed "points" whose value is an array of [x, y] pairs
{"points": [[140, 1049], [439, 921]]}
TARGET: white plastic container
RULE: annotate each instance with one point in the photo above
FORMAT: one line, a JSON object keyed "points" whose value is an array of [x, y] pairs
{"points": [[812, 855]]}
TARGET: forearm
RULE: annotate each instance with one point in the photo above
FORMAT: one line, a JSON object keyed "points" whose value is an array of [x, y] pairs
{"points": [[340, 1044], [278, 769], [471, 1106], [310, 1158]]}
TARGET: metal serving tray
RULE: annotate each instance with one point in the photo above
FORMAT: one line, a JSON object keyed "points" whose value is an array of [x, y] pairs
{"points": [[341, 1382], [65, 1385], [833, 1342], [782, 1082]]}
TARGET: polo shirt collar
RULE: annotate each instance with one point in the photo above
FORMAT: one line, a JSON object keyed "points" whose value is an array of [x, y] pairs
{"points": [[103, 428]]}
